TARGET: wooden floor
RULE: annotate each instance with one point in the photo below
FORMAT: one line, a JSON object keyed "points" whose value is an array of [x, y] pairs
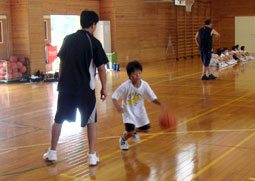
{"points": [[214, 139]]}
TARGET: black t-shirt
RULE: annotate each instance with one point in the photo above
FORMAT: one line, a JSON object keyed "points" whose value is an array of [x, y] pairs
{"points": [[205, 39], [78, 67]]}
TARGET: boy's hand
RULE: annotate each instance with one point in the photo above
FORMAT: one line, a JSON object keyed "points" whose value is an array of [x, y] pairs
{"points": [[120, 110]]}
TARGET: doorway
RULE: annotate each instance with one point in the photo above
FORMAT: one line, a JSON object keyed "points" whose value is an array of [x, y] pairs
{"points": [[4, 38]]}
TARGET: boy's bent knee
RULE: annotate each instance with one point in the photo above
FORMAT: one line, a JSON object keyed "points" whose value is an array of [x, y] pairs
{"points": [[130, 133]]}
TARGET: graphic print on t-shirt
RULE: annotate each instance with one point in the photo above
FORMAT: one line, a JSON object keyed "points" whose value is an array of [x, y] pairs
{"points": [[133, 98]]}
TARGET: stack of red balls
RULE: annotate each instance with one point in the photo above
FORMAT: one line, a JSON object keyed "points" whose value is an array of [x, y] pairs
{"points": [[14, 68]]}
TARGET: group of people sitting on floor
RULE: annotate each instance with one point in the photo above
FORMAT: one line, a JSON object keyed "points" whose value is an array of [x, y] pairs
{"points": [[223, 57]]}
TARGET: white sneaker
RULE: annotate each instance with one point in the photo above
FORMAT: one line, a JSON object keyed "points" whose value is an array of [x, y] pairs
{"points": [[93, 159], [50, 155], [136, 138], [123, 144]]}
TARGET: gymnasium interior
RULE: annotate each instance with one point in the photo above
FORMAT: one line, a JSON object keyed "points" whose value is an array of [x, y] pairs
{"points": [[214, 137]]}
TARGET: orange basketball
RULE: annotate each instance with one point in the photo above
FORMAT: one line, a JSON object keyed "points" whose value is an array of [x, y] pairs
{"points": [[168, 119]]}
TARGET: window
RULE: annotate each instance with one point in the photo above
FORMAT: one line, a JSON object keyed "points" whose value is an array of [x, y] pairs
{"points": [[1, 32], [45, 30]]}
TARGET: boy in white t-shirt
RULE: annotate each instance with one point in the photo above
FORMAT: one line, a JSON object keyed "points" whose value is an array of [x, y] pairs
{"points": [[133, 92]]}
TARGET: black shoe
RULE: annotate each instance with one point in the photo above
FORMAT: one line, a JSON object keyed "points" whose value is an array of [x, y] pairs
{"points": [[204, 77], [211, 77]]}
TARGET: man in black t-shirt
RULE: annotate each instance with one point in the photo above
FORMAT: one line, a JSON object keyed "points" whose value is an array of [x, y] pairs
{"points": [[204, 39], [80, 54]]}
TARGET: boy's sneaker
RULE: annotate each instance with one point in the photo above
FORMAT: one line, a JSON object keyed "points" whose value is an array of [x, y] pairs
{"points": [[204, 77], [93, 159], [212, 77], [50, 155], [136, 138], [123, 144]]}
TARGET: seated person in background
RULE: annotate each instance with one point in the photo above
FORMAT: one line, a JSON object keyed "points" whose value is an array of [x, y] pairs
{"points": [[229, 57], [216, 59], [246, 53], [235, 53], [241, 55], [224, 57]]}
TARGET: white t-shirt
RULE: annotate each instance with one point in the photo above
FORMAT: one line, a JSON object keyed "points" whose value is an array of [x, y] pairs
{"points": [[133, 102]]}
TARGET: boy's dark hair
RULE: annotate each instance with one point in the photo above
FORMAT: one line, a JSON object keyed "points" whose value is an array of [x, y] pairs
{"points": [[88, 18], [133, 66], [237, 46], [219, 51], [233, 47], [208, 22], [242, 47]]}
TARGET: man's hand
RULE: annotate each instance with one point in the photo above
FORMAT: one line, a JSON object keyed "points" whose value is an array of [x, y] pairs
{"points": [[103, 94]]}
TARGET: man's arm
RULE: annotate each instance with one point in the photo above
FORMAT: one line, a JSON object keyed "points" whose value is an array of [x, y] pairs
{"points": [[196, 39], [102, 76], [214, 32], [60, 67]]}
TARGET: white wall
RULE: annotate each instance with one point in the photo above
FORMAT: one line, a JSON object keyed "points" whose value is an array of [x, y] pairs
{"points": [[103, 34], [245, 32]]}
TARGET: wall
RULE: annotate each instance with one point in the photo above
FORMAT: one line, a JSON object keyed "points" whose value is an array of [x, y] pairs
{"points": [[139, 30], [28, 28], [19, 24], [224, 13], [67, 7], [107, 12], [36, 35], [143, 30]]}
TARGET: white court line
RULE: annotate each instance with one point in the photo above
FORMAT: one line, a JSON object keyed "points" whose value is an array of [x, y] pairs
{"points": [[8, 151]]}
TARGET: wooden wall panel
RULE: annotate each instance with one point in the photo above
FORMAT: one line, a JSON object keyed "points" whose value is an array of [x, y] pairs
{"points": [[107, 12], [67, 7], [19, 24], [143, 30], [224, 13], [36, 36]]}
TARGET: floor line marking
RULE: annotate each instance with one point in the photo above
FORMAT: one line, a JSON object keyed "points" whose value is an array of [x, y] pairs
{"points": [[142, 134], [222, 156], [176, 78], [157, 134], [214, 109]]}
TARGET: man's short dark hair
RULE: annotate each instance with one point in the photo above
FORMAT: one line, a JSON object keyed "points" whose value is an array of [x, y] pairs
{"points": [[237, 46], [133, 66], [88, 18], [242, 47], [208, 22]]}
